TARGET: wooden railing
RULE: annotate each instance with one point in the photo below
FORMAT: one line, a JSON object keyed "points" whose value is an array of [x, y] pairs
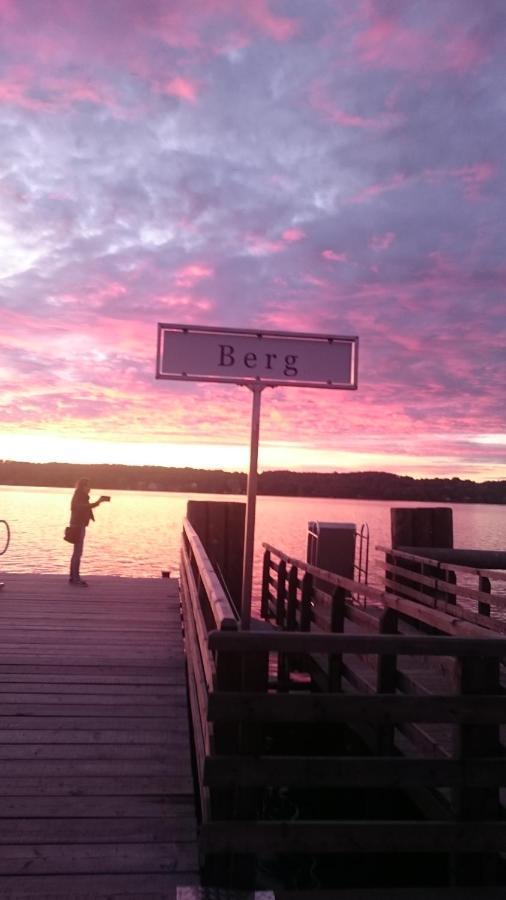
{"points": [[298, 748], [298, 597], [460, 591], [205, 608], [292, 722], [295, 593]]}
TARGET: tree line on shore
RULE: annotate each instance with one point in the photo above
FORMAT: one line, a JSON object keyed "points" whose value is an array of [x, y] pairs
{"points": [[352, 485]]}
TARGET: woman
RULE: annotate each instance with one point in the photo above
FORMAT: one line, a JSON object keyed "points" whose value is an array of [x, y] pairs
{"points": [[80, 515]]}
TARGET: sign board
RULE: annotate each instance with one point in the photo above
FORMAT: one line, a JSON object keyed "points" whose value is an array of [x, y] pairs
{"points": [[264, 358], [256, 359]]}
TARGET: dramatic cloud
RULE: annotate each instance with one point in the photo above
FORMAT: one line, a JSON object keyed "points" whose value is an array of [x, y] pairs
{"points": [[332, 167]]}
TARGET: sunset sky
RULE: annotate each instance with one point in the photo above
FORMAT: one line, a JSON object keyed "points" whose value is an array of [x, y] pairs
{"points": [[331, 166]]}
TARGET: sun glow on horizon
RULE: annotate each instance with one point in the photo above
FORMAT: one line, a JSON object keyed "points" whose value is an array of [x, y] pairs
{"points": [[45, 448]]}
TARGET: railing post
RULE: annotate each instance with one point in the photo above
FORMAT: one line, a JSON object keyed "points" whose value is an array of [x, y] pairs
{"points": [[476, 675], [291, 605], [266, 571], [281, 594], [231, 739], [485, 586], [306, 610], [290, 625], [337, 625], [386, 679]]}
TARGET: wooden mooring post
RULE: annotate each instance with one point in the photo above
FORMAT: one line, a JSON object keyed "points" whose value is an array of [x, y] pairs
{"points": [[421, 527], [220, 526]]}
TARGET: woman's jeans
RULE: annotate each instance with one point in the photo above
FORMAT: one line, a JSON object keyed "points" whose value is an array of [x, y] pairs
{"points": [[75, 561]]}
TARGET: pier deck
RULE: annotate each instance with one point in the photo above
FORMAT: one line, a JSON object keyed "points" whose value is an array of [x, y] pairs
{"points": [[96, 792]]}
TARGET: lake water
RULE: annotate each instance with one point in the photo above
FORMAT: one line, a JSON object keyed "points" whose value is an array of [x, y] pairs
{"points": [[138, 533]]}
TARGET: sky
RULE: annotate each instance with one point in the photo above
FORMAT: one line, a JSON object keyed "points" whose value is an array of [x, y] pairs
{"points": [[326, 166]]}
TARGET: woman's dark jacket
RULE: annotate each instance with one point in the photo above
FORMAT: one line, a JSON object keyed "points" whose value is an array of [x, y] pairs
{"points": [[81, 512]]}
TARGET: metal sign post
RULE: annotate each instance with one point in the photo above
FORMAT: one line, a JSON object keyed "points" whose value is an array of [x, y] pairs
{"points": [[249, 536], [255, 359]]}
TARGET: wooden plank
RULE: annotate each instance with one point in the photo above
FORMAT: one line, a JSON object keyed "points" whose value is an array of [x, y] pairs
{"points": [[445, 622], [72, 683], [147, 673], [446, 566], [391, 893], [109, 709], [169, 766], [90, 693], [129, 886], [93, 859], [162, 724], [453, 610], [352, 837], [435, 583], [95, 769], [87, 786], [401, 645], [50, 732], [195, 624], [382, 709], [338, 771], [179, 807], [110, 830], [160, 752]]}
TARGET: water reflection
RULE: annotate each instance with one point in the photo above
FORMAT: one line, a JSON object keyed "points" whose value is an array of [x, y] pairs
{"points": [[138, 533]]}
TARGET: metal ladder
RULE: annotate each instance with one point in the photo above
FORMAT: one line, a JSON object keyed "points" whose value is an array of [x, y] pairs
{"points": [[361, 564]]}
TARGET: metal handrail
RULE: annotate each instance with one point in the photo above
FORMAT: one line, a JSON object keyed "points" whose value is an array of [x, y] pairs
{"points": [[8, 538]]}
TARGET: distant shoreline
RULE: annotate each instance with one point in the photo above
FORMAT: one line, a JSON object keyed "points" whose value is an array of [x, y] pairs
{"points": [[325, 485]]}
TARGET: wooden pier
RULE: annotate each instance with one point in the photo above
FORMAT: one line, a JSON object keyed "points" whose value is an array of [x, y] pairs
{"points": [[351, 744], [95, 771]]}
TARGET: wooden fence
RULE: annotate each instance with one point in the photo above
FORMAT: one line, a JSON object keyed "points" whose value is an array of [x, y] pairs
{"points": [[462, 592], [273, 712]]}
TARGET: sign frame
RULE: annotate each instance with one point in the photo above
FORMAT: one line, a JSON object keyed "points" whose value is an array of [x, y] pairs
{"points": [[351, 341]]}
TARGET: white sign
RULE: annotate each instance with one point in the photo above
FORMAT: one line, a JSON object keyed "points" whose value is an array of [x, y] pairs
{"points": [[266, 358]]}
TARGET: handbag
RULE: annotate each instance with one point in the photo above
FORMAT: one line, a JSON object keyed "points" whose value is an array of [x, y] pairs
{"points": [[71, 533]]}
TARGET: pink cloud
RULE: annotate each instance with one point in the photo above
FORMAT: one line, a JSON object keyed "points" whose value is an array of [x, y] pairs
{"points": [[15, 86], [108, 292], [380, 242], [322, 103], [179, 87], [21, 87], [317, 282], [292, 235], [186, 302], [388, 43], [472, 177], [182, 27], [259, 245], [334, 257], [7, 9], [276, 27], [176, 27], [373, 190], [193, 274]]}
